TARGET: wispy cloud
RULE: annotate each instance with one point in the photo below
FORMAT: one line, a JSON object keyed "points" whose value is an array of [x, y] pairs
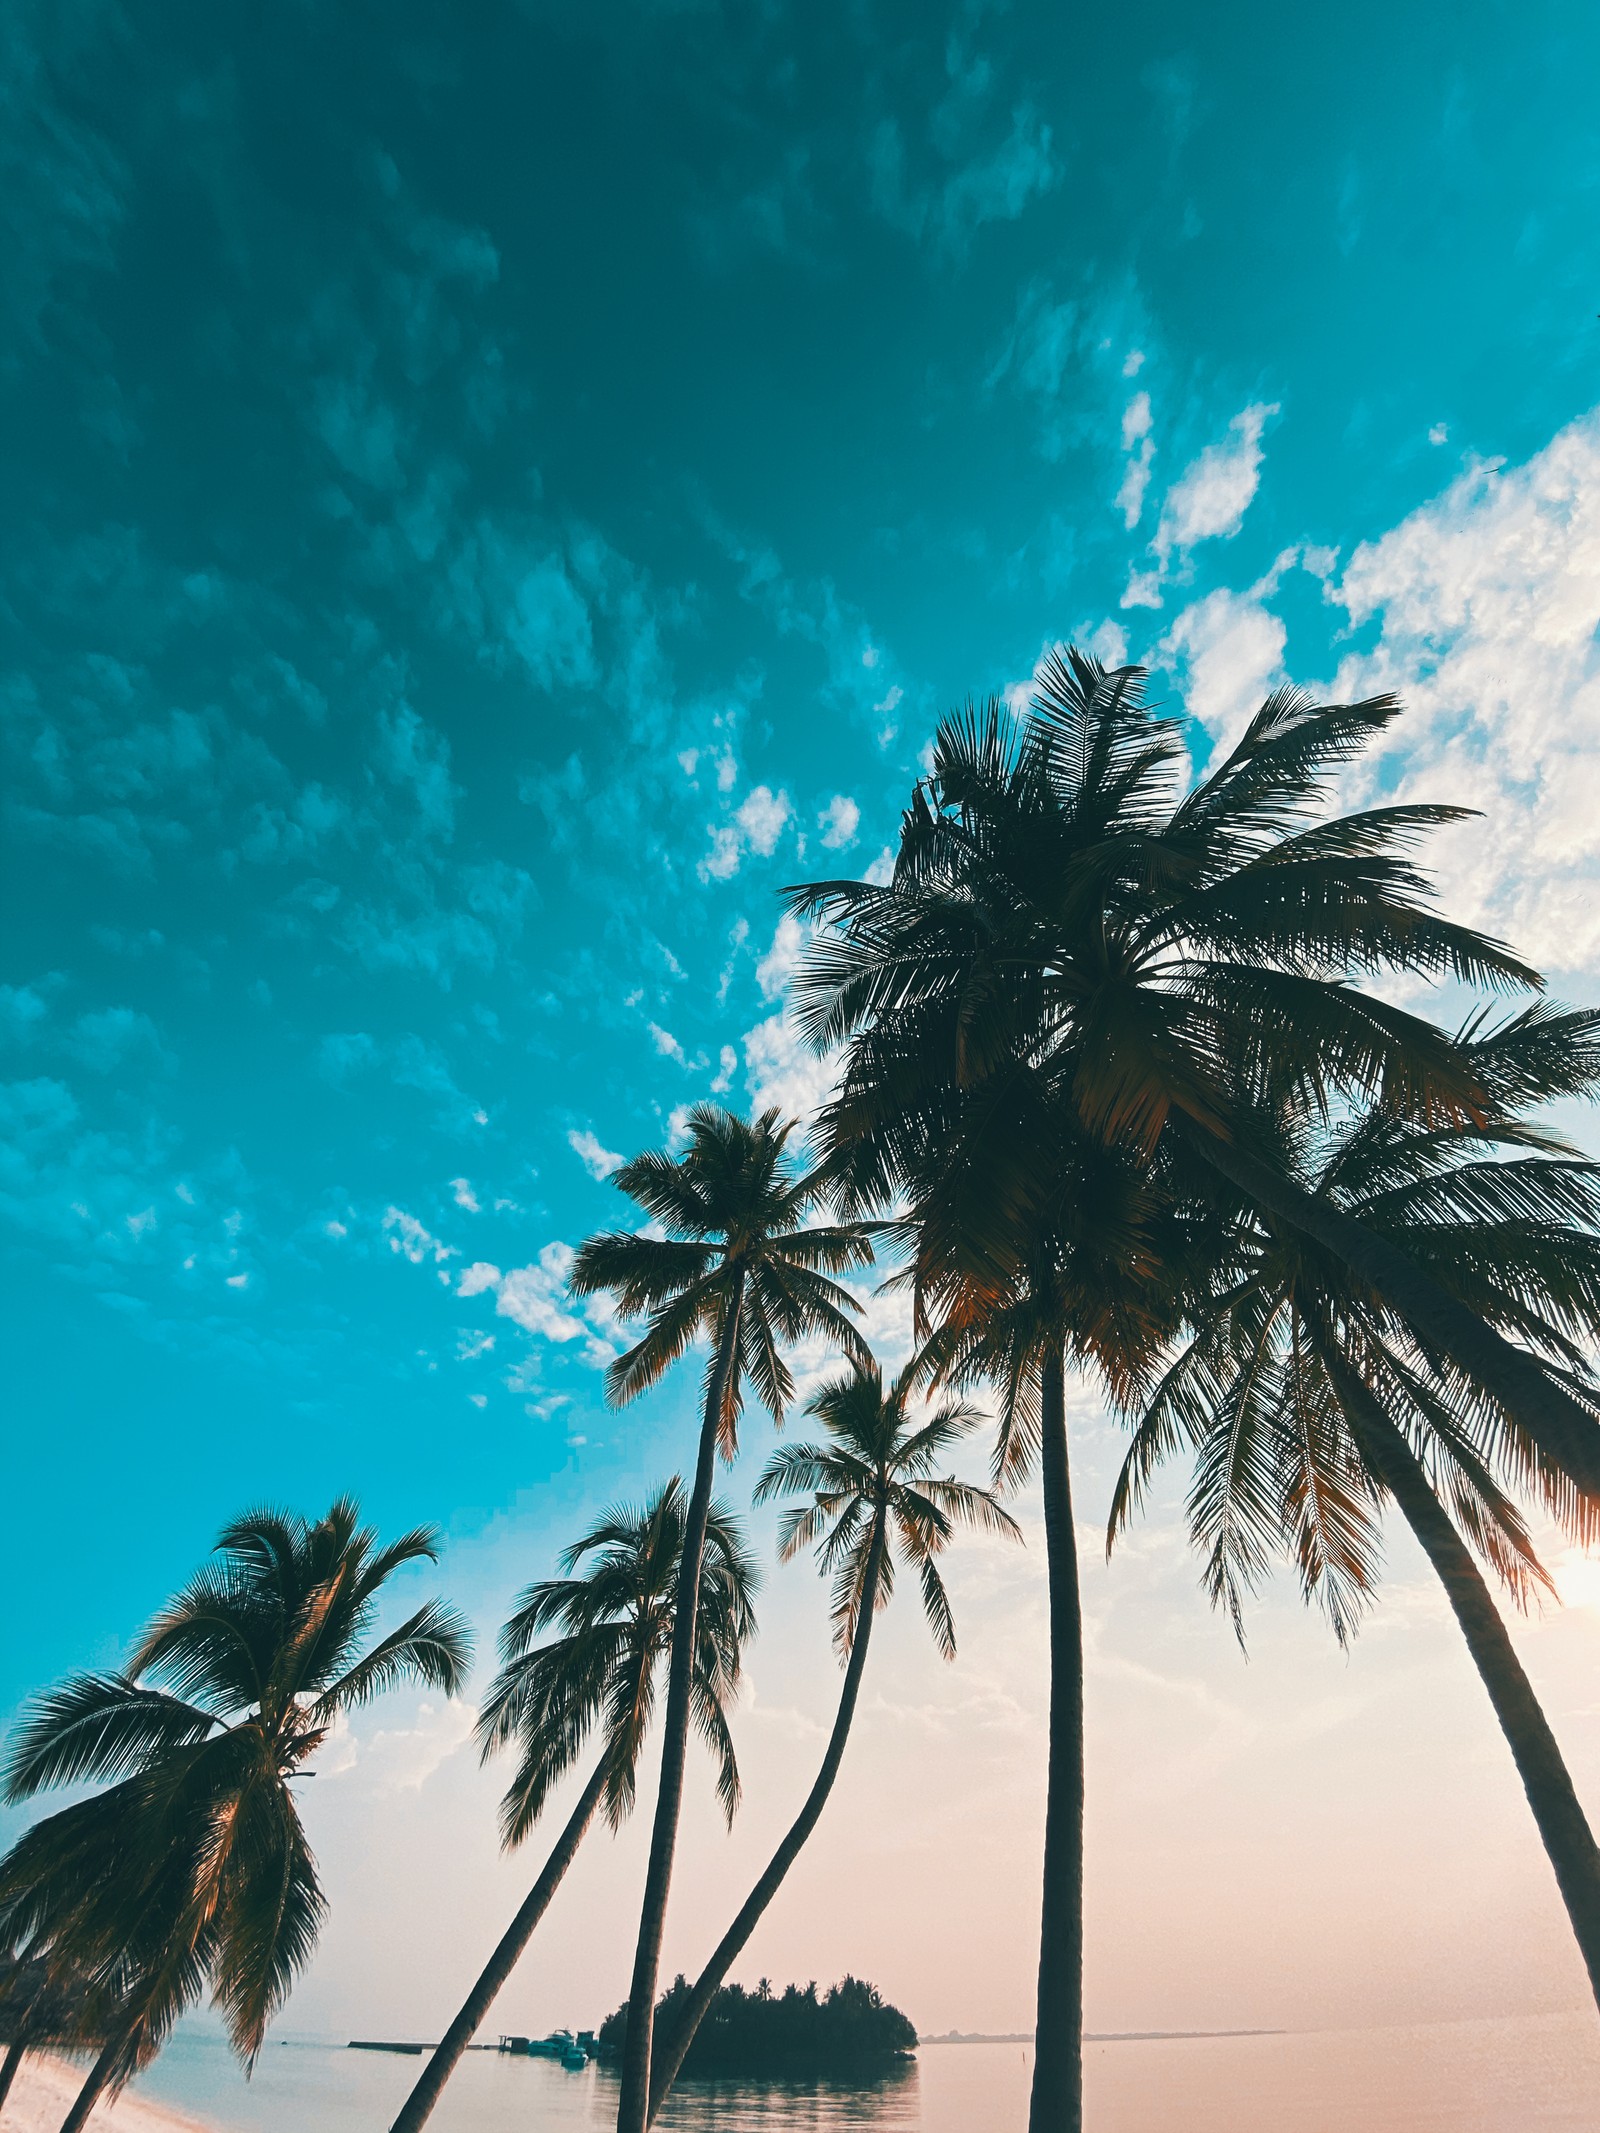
{"points": [[1486, 602], [599, 1160]]}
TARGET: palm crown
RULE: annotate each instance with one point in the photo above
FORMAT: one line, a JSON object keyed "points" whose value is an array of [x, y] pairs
{"points": [[1502, 1212], [1056, 896], [875, 1495], [192, 1865], [735, 1212], [614, 1624]]}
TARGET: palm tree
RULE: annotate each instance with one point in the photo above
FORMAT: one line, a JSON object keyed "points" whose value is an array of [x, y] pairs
{"points": [[874, 1493], [1172, 958], [191, 1867], [1152, 971], [1096, 1289], [615, 1625], [1309, 1402], [739, 1265]]}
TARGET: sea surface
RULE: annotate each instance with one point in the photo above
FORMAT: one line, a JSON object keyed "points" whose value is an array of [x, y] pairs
{"points": [[1469, 2077]]}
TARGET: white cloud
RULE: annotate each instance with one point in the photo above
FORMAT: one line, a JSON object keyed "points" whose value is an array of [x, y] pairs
{"points": [[1231, 648], [1143, 589], [465, 1196], [839, 821], [758, 822], [782, 959], [666, 1044], [1439, 434], [411, 1240], [534, 1296], [782, 1071], [1139, 445], [595, 1157], [721, 863], [727, 1066], [1488, 606], [761, 816], [1209, 499], [402, 1759]]}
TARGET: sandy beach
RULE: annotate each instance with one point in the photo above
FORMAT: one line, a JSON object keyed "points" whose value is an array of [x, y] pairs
{"points": [[45, 2087]]}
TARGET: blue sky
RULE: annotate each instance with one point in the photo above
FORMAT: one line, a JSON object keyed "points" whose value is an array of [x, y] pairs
{"points": [[492, 496]]}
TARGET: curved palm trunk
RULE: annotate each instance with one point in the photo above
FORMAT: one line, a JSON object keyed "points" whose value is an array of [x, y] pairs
{"points": [[1556, 1808], [633, 2107], [1558, 1424], [8, 2068], [1056, 2105], [664, 2070], [418, 2106], [95, 2084]]}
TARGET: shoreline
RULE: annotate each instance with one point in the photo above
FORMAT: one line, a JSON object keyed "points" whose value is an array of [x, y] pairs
{"points": [[46, 2084]]}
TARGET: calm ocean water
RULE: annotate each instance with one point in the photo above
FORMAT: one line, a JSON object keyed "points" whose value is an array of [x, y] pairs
{"points": [[1477, 2077]]}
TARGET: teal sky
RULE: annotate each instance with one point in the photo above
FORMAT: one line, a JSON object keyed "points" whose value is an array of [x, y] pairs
{"points": [[491, 497]]}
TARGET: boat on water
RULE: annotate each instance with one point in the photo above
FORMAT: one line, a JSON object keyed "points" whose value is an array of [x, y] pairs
{"points": [[574, 2052]]}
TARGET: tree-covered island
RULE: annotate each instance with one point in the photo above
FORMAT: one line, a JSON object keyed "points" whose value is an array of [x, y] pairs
{"points": [[848, 2031]]}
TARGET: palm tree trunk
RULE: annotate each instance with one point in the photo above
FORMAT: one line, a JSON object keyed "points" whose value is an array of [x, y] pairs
{"points": [[1056, 2105], [418, 2106], [1557, 1423], [8, 2068], [633, 2105], [664, 2070], [1556, 1808], [98, 2077]]}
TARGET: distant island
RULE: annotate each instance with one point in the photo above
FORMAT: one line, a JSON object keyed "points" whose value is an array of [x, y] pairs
{"points": [[849, 2032]]}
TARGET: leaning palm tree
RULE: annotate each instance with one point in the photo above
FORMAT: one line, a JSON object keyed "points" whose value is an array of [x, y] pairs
{"points": [[739, 1265], [1310, 1405], [1166, 966], [874, 1494], [191, 1868], [614, 1624]]}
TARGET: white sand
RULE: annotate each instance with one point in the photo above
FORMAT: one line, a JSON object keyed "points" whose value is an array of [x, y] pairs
{"points": [[43, 2093]]}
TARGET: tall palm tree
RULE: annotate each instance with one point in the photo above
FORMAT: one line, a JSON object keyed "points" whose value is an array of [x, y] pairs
{"points": [[1096, 1289], [191, 1868], [1310, 1404], [614, 1625], [1163, 967], [1173, 957], [739, 1265], [874, 1495]]}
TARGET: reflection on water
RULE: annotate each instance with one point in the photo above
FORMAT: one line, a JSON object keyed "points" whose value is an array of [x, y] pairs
{"points": [[807, 2106], [1538, 2074]]}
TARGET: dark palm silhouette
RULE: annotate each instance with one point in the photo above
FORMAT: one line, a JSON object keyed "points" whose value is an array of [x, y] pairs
{"points": [[741, 1264], [191, 1868], [1309, 1404], [1172, 960], [1161, 970], [874, 1495], [612, 1618]]}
